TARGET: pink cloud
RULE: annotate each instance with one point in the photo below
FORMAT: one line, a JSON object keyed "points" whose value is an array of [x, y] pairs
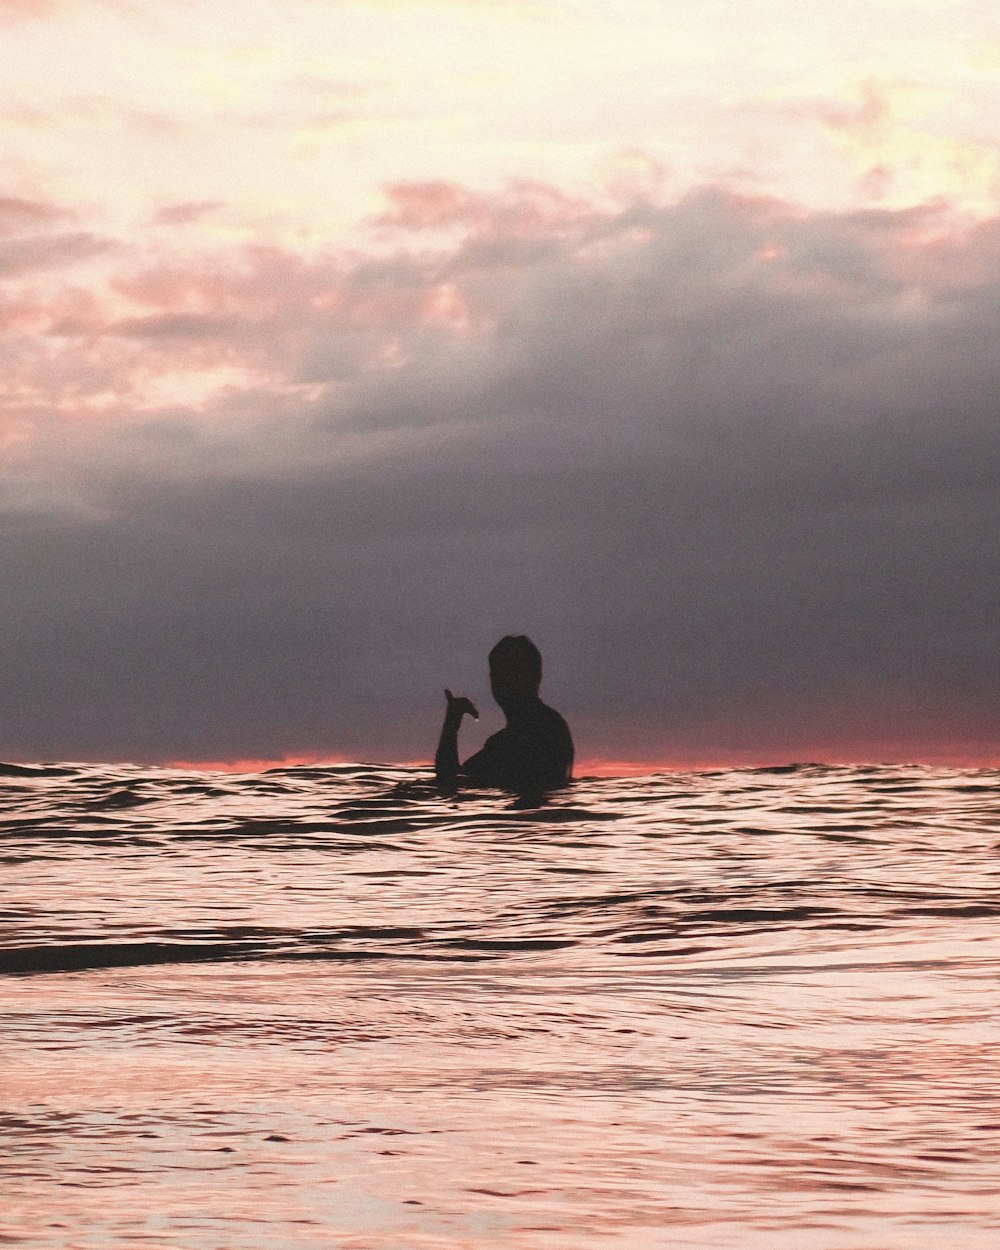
{"points": [[74, 313], [185, 326], [865, 118], [15, 9], [151, 123], [288, 319], [865, 115], [247, 280], [430, 205], [185, 213], [17, 113], [104, 109], [28, 10], [34, 252], [316, 319], [876, 182], [525, 208], [94, 108], [18, 214]]}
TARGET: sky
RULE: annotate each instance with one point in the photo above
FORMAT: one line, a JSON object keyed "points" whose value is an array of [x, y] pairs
{"points": [[342, 337]]}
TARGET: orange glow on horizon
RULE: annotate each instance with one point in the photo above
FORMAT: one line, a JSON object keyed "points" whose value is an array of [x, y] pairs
{"points": [[254, 765], [601, 766]]}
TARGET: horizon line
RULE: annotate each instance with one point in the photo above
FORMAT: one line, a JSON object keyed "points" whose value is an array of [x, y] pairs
{"points": [[587, 766], [605, 766]]}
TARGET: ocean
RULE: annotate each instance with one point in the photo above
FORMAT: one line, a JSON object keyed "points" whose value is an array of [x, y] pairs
{"points": [[322, 1007]]}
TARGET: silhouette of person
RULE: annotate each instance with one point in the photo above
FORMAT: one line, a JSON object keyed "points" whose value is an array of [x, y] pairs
{"points": [[532, 754]]}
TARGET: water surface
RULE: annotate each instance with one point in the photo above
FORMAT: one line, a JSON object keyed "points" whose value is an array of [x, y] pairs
{"points": [[323, 1007]]}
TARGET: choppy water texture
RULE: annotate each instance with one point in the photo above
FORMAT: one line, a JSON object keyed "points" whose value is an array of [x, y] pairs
{"points": [[323, 1007]]}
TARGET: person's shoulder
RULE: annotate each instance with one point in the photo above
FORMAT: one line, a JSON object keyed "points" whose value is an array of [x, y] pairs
{"points": [[483, 765], [545, 710], [553, 719], [495, 741]]}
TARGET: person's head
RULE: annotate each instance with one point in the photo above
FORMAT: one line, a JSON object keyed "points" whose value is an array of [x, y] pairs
{"points": [[515, 670]]}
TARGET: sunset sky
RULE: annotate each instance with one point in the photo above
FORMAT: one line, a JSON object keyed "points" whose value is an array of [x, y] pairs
{"points": [[340, 339]]}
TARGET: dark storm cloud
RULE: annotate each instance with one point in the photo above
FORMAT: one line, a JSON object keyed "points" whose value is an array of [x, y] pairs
{"points": [[734, 466]]}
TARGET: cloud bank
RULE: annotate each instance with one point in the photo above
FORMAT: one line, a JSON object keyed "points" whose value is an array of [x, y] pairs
{"points": [[733, 464]]}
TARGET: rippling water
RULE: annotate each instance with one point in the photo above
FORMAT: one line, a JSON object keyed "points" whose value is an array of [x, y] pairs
{"points": [[323, 1007]]}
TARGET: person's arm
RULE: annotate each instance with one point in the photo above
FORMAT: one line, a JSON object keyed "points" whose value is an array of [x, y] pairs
{"points": [[446, 758]]}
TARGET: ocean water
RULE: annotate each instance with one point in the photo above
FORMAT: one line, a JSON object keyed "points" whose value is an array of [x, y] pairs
{"points": [[322, 1007]]}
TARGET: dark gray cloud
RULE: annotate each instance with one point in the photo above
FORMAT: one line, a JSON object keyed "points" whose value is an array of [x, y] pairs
{"points": [[735, 466]]}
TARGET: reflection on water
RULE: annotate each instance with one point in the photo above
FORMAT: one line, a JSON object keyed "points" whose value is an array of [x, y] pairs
{"points": [[323, 1007]]}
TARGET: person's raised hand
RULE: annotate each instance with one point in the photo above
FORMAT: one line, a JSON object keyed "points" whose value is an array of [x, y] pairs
{"points": [[459, 706]]}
